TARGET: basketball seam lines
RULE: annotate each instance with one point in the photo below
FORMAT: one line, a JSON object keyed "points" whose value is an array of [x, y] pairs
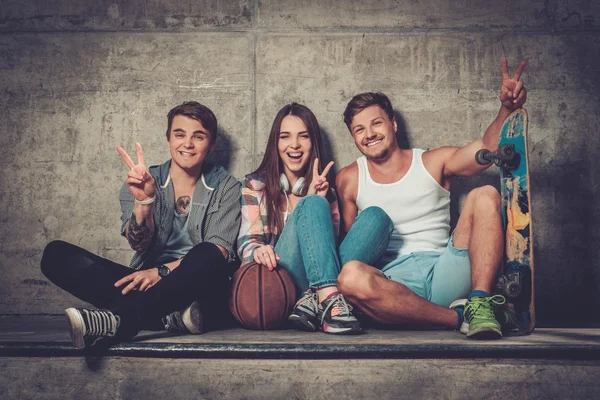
{"points": [[239, 282], [285, 303], [260, 302]]}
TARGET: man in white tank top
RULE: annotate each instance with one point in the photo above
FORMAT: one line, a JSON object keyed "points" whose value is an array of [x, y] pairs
{"points": [[425, 270]]}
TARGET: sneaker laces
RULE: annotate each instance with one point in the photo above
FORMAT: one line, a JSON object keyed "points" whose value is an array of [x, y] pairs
{"points": [[101, 323], [484, 306], [309, 300], [338, 302], [174, 322]]}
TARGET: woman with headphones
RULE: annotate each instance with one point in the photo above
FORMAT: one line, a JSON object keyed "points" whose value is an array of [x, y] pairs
{"points": [[290, 218]]}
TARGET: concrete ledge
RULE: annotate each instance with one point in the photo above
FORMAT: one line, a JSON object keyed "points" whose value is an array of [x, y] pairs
{"points": [[38, 362], [307, 351], [146, 378], [42, 336]]}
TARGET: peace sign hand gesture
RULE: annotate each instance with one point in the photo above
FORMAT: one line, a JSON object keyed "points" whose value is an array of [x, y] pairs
{"points": [[140, 182], [319, 184], [512, 93]]}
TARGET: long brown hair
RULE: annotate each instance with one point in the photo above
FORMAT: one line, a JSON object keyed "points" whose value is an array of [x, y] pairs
{"points": [[271, 166]]}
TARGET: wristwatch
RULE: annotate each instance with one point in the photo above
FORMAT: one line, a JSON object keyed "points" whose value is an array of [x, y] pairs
{"points": [[163, 271]]}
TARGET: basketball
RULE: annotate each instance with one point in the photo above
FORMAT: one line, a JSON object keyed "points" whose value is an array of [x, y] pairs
{"points": [[261, 299]]}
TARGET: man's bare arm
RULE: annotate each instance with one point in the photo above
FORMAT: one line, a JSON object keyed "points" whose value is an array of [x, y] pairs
{"points": [[347, 186], [461, 160], [513, 95]]}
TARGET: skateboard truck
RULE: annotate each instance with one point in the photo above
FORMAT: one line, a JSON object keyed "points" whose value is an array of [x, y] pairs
{"points": [[506, 156], [510, 285]]}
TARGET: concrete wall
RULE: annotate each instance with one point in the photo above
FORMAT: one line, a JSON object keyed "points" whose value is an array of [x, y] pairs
{"points": [[78, 78], [107, 378]]}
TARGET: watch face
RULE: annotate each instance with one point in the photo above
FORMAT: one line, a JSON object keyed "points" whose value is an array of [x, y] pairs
{"points": [[163, 271]]}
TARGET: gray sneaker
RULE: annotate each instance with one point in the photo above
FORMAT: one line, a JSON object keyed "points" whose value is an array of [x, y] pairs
{"points": [[337, 317], [304, 314], [88, 326], [189, 320]]}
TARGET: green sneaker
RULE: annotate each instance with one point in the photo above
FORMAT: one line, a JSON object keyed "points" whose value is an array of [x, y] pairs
{"points": [[479, 318]]}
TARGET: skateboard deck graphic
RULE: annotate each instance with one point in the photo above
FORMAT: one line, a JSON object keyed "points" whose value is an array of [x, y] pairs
{"points": [[515, 282]]}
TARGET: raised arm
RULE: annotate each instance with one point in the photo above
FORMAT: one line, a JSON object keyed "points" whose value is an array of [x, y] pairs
{"points": [[139, 229], [347, 186], [461, 160]]}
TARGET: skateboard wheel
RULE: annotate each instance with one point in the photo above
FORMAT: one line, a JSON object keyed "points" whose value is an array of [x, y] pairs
{"points": [[507, 152], [481, 157], [512, 289]]}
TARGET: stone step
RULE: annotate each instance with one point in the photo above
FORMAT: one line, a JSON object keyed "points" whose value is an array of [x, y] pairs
{"points": [[180, 378], [48, 336], [38, 361]]}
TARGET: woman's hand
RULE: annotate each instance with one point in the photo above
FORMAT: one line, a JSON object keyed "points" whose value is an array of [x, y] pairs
{"points": [[319, 184], [265, 255]]}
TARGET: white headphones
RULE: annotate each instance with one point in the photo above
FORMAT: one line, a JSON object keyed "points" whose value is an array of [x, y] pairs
{"points": [[284, 184]]}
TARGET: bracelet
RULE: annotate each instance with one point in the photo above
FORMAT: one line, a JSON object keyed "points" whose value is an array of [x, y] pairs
{"points": [[145, 202]]}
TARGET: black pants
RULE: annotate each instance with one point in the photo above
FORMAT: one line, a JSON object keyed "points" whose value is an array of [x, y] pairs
{"points": [[203, 275]]}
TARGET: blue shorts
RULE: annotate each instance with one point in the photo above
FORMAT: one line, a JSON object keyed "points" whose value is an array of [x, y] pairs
{"points": [[439, 278]]}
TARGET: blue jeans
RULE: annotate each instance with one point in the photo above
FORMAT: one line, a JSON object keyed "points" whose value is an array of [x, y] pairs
{"points": [[308, 249]]}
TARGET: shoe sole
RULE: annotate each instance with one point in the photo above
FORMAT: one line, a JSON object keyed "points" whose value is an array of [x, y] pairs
{"points": [[302, 323], [485, 334], [192, 318], [76, 327], [353, 330]]}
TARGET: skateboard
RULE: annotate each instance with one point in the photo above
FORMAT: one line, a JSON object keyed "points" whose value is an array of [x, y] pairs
{"points": [[515, 281]]}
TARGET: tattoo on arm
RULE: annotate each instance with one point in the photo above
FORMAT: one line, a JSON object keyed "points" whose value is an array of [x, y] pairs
{"points": [[138, 235]]}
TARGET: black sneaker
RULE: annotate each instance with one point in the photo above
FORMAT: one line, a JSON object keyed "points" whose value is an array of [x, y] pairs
{"points": [[336, 316], [511, 320], [188, 320], [304, 314], [88, 326]]}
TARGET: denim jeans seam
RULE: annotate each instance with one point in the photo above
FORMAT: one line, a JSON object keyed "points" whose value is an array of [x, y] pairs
{"points": [[308, 245], [378, 219], [325, 283], [302, 209]]}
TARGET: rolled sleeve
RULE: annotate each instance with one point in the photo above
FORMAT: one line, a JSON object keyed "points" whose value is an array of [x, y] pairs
{"points": [[253, 233], [223, 225], [127, 203]]}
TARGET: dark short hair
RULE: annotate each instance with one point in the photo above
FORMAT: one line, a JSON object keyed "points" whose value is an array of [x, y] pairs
{"points": [[364, 100], [194, 110]]}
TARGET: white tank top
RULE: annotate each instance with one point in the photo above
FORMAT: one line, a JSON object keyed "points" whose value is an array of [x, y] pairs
{"points": [[418, 206]]}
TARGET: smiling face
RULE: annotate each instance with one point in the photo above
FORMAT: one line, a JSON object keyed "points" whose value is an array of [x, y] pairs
{"points": [[189, 143], [374, 133], [294, 147]]}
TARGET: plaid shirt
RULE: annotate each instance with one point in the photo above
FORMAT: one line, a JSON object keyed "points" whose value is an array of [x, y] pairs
{"points": [[254, 231]]}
